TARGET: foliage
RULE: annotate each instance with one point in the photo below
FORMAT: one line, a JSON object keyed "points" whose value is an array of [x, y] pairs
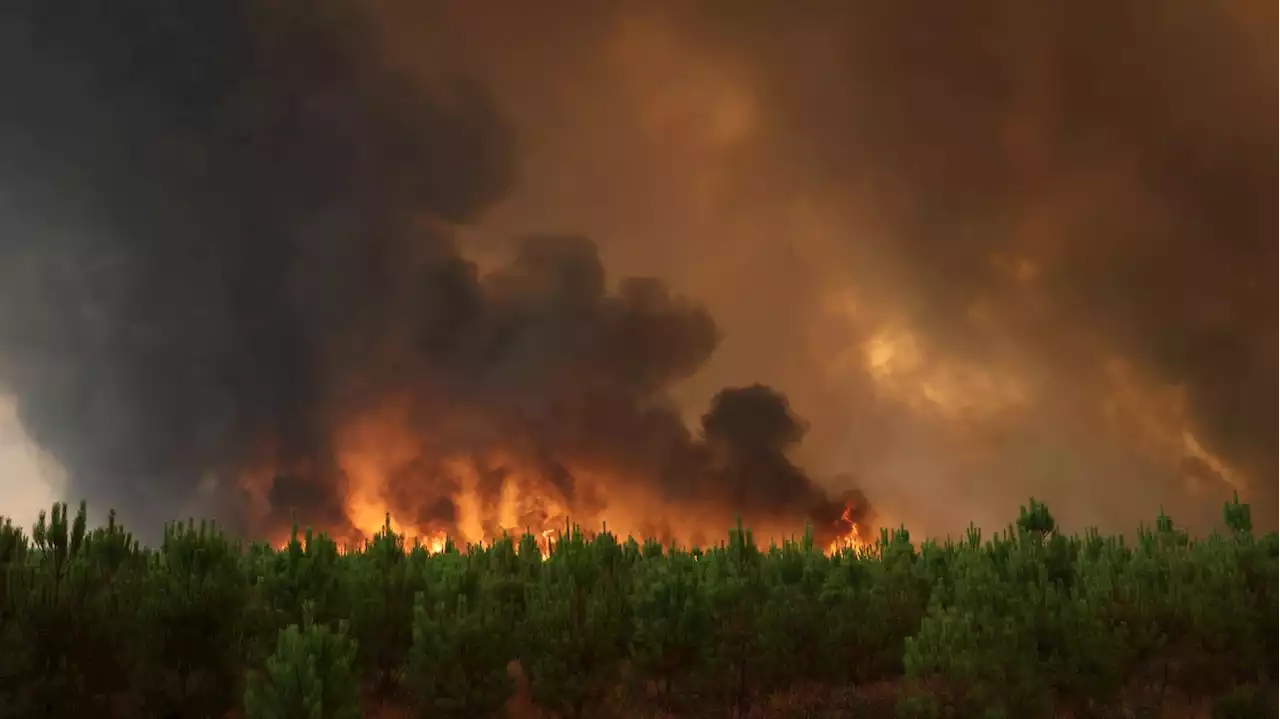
{"points": [[1025, 623], [308, 677], [192, 634], [579, 617], [461, 644]]}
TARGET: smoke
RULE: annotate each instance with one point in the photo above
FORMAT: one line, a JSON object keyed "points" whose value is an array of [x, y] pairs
{"points": [[229, 242], [254, 253], [989, 251], [1067, 189]]}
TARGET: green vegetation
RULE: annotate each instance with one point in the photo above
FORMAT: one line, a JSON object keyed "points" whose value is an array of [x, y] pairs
{"points": [[1020, 625]]}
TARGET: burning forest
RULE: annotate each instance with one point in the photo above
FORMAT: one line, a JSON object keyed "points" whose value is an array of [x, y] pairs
{"points": [[634, 469]]}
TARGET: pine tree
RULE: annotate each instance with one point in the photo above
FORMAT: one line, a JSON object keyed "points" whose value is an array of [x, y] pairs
{"points": [[309, 676], [672, 630], [578, 618], [191, 637], [458, 662]]}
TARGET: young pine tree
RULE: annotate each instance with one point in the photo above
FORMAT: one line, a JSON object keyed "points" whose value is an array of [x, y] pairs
{"points": [[191, 643], [579, 620], [458, 659], [308, 677], [672, 630]]}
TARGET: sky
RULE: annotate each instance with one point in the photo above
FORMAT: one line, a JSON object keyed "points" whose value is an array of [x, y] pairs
{"points": [[986, 252], [31, 478]]}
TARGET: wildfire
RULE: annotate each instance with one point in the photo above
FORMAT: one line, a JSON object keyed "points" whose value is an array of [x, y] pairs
{"points": [[851, 539], [436, 542], [479, 497]]}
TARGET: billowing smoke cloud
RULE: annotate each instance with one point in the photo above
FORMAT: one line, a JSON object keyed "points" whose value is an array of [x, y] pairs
{"points": [[990, 250], [227, 242]]}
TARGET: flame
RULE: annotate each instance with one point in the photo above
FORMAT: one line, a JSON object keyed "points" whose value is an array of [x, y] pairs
{"points": [[437, 542], [381, 445], [851, 539]]}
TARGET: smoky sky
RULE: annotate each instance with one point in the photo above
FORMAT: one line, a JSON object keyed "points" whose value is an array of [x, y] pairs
{"points": [[228, 231], [1066, 209], [1152, 128], [228, 227]]}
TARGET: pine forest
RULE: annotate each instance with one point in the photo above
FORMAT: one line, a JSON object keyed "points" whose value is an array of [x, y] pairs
{"points": [[1028, 622]]}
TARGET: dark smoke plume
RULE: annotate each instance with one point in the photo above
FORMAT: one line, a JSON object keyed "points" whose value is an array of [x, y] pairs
{"points": [[227, 229]]}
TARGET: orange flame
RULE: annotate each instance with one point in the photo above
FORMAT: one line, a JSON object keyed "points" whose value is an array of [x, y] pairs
{"points": [[381, 444], [851, 539]]}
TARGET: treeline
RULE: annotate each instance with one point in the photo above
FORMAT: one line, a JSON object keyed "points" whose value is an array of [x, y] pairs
{"points": [[1028, 623]]}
